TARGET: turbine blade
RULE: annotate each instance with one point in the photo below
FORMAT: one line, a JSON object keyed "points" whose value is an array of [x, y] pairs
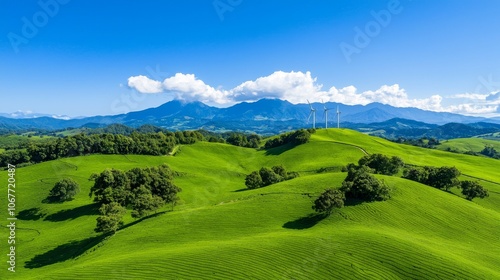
{"points": [[309, 118], [310, 104]]}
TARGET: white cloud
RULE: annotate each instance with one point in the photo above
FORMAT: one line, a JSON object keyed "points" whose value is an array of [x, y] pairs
{"points": [[472, 109], [297, 87], [392, 95], [144, 84], [188, 87], [293, 86], [472, 96]]}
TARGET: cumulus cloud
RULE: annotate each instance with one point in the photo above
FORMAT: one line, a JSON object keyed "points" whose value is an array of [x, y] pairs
{"points": [[392, 95], [188, 87], [144, 84], [298, 86], [292, 86]]}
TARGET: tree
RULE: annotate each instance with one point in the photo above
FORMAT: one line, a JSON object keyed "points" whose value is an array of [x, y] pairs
{"points": [[416, 174], [359, 184], [111, 217], [472, 189], [162, 185], [328, 200], [145, 190], [111, 185], [280, 170], [145, 202], [254, 181], [64, 190], [443, 178], [490, 151], [269, 177], [382, 164], [295, 138]]}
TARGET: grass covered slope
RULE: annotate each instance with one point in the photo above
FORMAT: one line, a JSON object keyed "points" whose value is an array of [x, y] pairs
{"points": [[462, 145], [220, 231]]}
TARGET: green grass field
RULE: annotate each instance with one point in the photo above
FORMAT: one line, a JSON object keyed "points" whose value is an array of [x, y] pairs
{"points": [[463, 145], [219, 230], [15, 140]]}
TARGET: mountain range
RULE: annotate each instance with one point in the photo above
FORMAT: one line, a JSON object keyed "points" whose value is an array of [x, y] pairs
{"points": [[266, 116]]}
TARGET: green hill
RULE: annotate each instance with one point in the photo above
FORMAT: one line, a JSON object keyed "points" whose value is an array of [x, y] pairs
{"points": [[463, 145], [222, 231]]}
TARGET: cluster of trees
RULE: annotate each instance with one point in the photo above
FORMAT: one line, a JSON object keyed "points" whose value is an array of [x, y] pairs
{"points": [[144, 144], [329, 200], [242, 140], [63, 190], [445, 178], [297, 137], [359, 184], [379, 164], [423, 142], [142, 190], [111, 216], [268, 176], [472, 189], [490, 151]]}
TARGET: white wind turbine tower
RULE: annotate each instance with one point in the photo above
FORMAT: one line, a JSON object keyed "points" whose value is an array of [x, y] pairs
{"points": [[313, 113], [338, 117], [326, 114]]}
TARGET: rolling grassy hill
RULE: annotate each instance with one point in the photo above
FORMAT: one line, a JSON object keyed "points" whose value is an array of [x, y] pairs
{"points": [[222, 231], [463, 145]]}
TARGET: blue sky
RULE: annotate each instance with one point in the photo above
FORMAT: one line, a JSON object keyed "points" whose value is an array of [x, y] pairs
{"points": [[75, 57]]}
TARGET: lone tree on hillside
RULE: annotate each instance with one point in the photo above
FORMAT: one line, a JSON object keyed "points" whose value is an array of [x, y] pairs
{"points": [[472, 189], [328, 200], [63, 190]]}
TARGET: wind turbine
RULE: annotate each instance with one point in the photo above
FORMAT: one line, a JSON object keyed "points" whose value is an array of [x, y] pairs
{"points": [[312, 113], [326, 114], [338, 117]]}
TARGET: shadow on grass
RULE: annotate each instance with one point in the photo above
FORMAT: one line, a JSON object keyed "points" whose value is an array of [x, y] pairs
{"points": [[305, 222], [54, 200], [352, 202], [279, 150], [144, 218], [75, 249], [70, 214], [64, 252], [32, 214]]}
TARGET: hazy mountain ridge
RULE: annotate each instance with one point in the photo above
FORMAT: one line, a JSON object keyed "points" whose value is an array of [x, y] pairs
{"points": [[268, 116]]}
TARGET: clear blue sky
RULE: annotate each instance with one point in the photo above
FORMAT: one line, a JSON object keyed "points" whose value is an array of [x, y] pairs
{"points": [[83, 54]]}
